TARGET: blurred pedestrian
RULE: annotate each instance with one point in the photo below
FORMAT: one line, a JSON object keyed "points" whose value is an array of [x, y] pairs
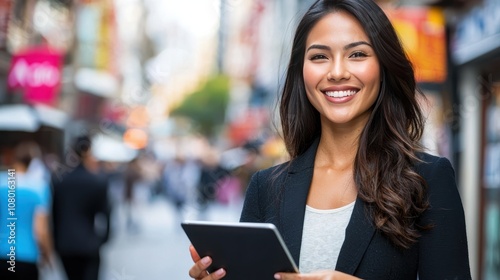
{"points": [[360, 198], [211, 176], [37, 167], [250, 165], [132, 176], [26, 243], [81, 213], [181, 176]]}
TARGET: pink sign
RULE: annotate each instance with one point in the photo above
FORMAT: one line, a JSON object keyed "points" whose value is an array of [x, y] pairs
{"points": [[37, 72]]}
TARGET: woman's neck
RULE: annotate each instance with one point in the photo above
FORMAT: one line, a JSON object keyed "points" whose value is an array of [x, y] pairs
{"points": [[337, 148]]}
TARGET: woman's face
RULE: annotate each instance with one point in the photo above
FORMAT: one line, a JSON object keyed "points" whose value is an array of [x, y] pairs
{"points": [[341, 71]]}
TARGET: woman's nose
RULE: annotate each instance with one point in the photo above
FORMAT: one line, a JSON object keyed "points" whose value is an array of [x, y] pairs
{"points": [[338, 71]]}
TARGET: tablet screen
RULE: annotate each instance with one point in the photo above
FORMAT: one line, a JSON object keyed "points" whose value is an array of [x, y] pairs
{"points": [[244, 250]]}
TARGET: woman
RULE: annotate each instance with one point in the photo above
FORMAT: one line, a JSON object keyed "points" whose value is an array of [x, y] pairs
{"points": [[359, 198]]}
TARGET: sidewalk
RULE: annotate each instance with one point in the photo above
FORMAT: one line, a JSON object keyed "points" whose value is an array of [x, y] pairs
{"points": [[159, 250]]}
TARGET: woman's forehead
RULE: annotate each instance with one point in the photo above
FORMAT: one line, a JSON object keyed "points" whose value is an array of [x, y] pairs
{"points": [[337, 27]]}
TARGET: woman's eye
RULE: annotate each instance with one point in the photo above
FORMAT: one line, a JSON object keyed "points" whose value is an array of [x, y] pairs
{"points": [[318, 56], [358, 55]]}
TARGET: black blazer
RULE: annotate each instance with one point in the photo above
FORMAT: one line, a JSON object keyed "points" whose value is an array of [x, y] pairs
{"points": [[78, 198], [278, 195]]}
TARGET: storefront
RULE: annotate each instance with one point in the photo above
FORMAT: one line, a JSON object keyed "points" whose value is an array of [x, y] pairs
{"points": [[475, 52], [490, 179]]}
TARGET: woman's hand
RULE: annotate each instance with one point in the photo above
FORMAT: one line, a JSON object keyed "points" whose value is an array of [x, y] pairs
{"points": [[199, 270], [320, 275]]}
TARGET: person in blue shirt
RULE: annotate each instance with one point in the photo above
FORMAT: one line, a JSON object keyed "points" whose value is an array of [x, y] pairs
{"points": [[24, 204]]}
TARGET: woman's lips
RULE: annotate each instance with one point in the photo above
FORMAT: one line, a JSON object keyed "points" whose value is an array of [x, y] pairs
{"points": [[340, 96], [341, 93]]}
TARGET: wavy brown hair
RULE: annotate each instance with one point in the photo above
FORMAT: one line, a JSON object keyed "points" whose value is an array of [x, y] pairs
{"points": [[384, 164]]}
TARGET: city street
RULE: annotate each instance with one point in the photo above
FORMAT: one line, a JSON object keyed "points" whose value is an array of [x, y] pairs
{"points": [[121, 119], [158, 249]]}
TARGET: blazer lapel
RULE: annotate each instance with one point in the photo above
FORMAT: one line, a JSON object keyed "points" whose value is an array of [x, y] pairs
{"points": [[296, 189], [359, 234], [293, 210]]}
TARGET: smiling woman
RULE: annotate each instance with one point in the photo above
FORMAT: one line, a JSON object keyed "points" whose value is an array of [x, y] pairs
{"points": [[360, 198], [341, 72]]}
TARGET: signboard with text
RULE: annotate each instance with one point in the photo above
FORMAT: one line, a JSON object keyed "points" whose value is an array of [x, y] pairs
{"points": [[36, 72]]}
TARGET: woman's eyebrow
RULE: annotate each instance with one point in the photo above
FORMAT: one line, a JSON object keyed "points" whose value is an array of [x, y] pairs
{"points": [[346, 47], [319, 47], [355, 44]]}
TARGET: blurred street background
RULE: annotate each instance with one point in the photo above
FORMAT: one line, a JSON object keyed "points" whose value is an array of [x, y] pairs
{"points": [[179, 99]]}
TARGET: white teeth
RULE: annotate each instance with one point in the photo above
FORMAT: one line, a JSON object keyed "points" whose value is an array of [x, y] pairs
{"points": [[341, 93]]}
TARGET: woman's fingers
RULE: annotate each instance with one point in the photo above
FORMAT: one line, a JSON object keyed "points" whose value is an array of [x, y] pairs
{"points": [[287, 276], [199, 269], [323, 275], [216, 275], [194, 254]]}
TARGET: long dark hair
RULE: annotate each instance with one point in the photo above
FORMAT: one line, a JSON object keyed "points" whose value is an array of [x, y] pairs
{"points": [[383, 167]]}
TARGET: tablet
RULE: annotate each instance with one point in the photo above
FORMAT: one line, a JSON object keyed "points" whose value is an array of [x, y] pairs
{"points": [[247, 251]]}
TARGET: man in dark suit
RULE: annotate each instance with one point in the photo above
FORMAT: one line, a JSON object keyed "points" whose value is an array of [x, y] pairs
{"points": [[80, 209]]}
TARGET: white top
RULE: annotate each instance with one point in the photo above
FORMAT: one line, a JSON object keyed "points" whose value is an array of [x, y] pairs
{"points": [[322, 237]]}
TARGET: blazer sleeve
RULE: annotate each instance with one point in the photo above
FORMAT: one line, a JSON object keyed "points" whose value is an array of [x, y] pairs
{"points": [[443, 252], [251, 211]]}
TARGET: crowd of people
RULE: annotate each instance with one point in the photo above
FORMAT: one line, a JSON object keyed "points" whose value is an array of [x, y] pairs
{"points": [[66, 211]]}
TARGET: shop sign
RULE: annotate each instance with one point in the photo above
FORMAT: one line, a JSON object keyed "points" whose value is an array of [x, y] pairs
{"points": [[96, 35], [477, 33], [422, 32], [37, 73]]}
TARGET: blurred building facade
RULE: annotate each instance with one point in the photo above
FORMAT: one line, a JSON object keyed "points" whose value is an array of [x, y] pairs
{"points": [[35, 38], [68, 68], [475, 56]]}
